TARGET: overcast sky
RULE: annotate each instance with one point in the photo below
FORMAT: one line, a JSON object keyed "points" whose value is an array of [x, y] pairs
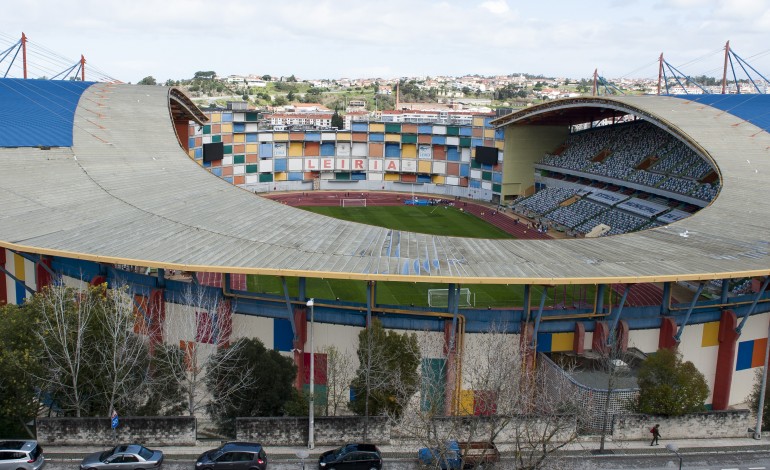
{"points": [[131, 39]]}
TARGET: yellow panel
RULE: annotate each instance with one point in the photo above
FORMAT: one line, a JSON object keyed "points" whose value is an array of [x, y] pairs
{"points": [[409, 151], [280, 137], [281, 176], [18, 267], [343, 136], [227, 128], [489, 133], [215, 117], [392, 137], [437, 179], [295, 149], [423, 167], [710, 334], [500, 144], [562, 341], [478, 122], [466, 402], [191, 153], [239, 138], [376, 127], [392, 177], [251, 148]]}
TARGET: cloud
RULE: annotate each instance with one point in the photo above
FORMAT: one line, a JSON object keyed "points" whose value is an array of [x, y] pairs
{"points": [[497, 7]]}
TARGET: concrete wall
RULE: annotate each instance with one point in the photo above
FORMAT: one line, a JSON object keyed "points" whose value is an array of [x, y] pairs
{"points": [[480, 428], [525, 145], [152, 431], [329, 430], [714, 424]]}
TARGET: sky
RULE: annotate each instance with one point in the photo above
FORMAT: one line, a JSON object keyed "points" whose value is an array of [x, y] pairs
{"points": [[315, 39]]}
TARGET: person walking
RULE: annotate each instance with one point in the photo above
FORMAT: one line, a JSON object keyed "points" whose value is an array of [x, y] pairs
{"points": [[655, 435]]}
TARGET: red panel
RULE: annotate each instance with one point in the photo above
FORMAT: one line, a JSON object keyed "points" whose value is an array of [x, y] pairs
{"points": [[409, 178], [360, 137], [319, 371], [310, 175], [204, 328], [599, 341], [621, 335], [452, 169], [439, 152], [157, 316], [728, 344], [43, 276], [312, 149], [98, 280], [424, 139], [300, 322], [183, 133], [141, 326], [484, 402], [408, 128], [666, 333], [224, 324], [580, 337], [464, 182]]}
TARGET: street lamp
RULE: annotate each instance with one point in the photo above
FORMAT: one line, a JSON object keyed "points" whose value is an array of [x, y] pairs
{"points": [[673, 448], [311, 411]]}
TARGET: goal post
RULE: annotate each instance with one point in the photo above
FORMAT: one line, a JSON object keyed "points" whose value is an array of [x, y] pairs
{"points": [[352, 202], [439, 298]]}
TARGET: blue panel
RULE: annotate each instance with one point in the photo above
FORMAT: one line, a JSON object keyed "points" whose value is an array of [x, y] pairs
{"points": [[465, 170], [376, 137], [360, 126], [191, 142], [438, 139], [296, 176], [486, 167], [20, 293], [416, 266], [488, 122], [217, 170], [279, 165], [239, 127], [425, 129], [466, 131], [752, 108], [745, 351], [497, 177], [544, 342], [476, 184], [392, 150], [199, 152], [452, 154], [499, 134], [38, 112], [312, 136], [283, 338], [227, 117], [206, 164], [266, 150], [477, 142], [423, 178], [229, 179], [251, 138], [358, 176], [327, 149], [405, 268]]}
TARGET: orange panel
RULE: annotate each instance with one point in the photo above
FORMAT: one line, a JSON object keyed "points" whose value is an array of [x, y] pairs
{"points": [[409, 178], [239, 148], [359, 137], [758, 354], [216, 128], [227, 138], [489, 143], [376, 149], [424, 139], [464, 182], [198, 141], [453, 169], [310, 175], [216, 163], [240, 179], [227, 171], [478, 132], [439, 152], [252, 158], [409, 128], [296, 136], [312, 149]]}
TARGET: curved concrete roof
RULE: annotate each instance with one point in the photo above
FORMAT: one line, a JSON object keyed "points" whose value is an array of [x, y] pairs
{"points": [[126, 192]]}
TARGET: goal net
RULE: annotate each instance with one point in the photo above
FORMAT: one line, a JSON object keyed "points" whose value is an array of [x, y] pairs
{"points": [[440, 298], [353, 202]]}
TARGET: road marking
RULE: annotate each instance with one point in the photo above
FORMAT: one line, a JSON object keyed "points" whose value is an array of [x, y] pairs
{"points": [[757, 468]]}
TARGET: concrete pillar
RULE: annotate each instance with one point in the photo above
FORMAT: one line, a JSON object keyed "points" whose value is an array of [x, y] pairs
{"points": [[156, 310], [580, 337], [300, 323], [728, 344], [527, 330], [3, 288], [601, 334], [450, 352], [621, 335]]}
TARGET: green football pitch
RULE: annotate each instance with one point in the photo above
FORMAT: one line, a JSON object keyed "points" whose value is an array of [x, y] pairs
{"points": [[434, 220]]}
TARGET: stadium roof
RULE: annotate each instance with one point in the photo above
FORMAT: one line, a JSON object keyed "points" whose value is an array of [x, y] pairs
{"points": [[753, 108], [126, 193]]}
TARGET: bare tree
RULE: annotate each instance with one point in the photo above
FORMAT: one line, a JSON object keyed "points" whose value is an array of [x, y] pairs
{"points": [[339, 375]]}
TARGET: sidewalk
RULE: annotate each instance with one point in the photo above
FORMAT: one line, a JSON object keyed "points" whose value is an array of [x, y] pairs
{"points": [[583, 446]]}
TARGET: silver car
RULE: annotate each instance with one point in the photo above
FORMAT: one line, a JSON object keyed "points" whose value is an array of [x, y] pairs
{"points": [[21, 455], [124, 457]]}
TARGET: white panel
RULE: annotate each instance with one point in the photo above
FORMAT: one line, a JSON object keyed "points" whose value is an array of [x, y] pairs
{"points": [[239, 169], [251, 179], [374, 176], [360, 149], [358, 164], [10, 284], [486, 185], [453, 141], [409, 166], [439, 168], [227, 160], [392, 165], [342, 164], [266, 166], [239, 117], [312, 164], [279, 150], [328, 136], [343, 149], [327, 164], [265, 137], [424, 152], [452, 180], [375, 164], [327, 176], [252, 127], [465, 155], [30, 276], [295, 164], [206, 139], [476, 174], [440, 130]]}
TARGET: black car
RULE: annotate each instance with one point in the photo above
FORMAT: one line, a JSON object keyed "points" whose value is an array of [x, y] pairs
{"points": [[351, 457], [233, 456]]}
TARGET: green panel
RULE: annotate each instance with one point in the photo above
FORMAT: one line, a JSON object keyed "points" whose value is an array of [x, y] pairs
{"points": [[486, 175], [216, 138], [393, 128], [207, 129], [239, 159], [251, 168], [475, 164], [465, 141], [452, 130], [496, 188], [253, 117], [321, 393], [265, 177], [228, 149], [342, 176], [433, 384], [408, 139]]}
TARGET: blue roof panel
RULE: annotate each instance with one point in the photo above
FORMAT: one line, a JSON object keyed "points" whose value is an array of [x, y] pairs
{"points": [[38, 113], [752, 108]]}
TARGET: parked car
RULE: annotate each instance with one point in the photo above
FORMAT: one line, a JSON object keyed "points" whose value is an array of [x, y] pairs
{"points": [[233, 456], [124, 457], [21, 455], [459, 455], [351, 457]]}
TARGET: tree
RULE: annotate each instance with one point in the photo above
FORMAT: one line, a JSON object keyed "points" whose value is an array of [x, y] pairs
{"points": [[613, 365], [670, 387], [266, 77], [205, 75], [339, 374], [337, 121], [280, 101], [290, 96], [753, 399], [148, 80], [254, 381]]}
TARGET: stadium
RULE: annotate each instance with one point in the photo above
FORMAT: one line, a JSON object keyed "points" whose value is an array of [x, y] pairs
{"points": [[104, 182]]}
